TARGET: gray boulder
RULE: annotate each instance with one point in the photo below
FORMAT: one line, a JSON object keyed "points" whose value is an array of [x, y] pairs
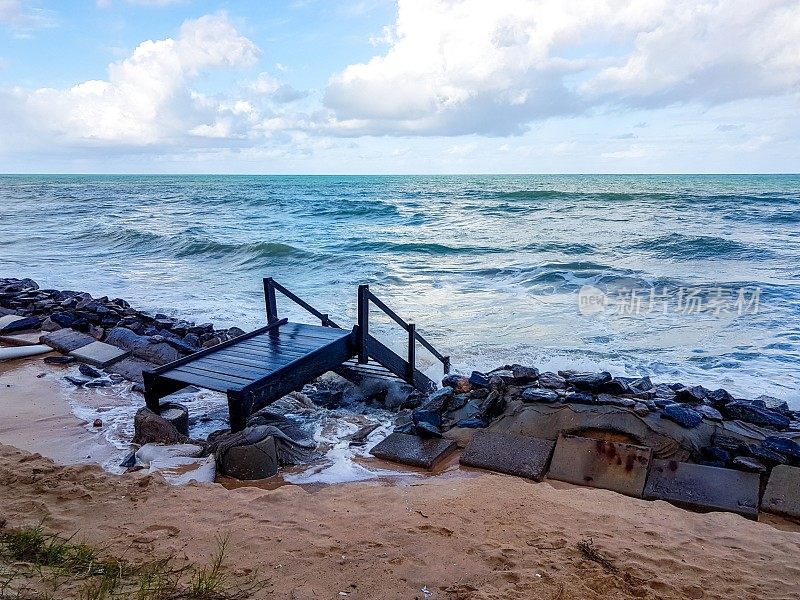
{"points": [[159, 353]]}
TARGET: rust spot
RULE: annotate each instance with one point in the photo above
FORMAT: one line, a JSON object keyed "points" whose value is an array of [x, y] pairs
{"points": [[629, 463]]}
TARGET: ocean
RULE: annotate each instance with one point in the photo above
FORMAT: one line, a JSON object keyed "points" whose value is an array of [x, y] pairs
{"points": [[684, 278]]}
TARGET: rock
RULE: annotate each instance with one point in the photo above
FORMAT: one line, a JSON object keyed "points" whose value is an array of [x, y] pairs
{"points": [[580, 398], [752, 465], [247, 462], [430, 417], [140, 346], [683, 415], [764, 417], [715, 453], [63, 318], [426, 430], [211, 342], [780, 406], [439, 400], [589, 381], [472, 423], [49, 325], [458, 401], [359, 438], [479, 379], [459, 383], [97, 423], [10, 324], [691, 395], [663, 402], [615, 400], [664, 391], [726, 442], [641, 409], [552, 381], [131, 369], [59, 360], [76, 381], [89, 371], [97, 383], [235, 332], [641, 384], [765, 454], [708, 412], [524, 374], [150, 427], [719, 398], [493, 405], [532, 394], [783, 446]]}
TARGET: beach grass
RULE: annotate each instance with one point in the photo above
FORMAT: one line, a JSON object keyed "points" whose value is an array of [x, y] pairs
{"points": [[37, 565]]}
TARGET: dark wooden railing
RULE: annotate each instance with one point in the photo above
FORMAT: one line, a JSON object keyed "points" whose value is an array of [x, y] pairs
{"points": [[365, 296], [271, 286]]}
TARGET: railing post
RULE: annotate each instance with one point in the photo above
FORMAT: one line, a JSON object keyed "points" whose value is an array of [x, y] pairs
{"points": [[269, 300], [412, 352], [363, 322]]}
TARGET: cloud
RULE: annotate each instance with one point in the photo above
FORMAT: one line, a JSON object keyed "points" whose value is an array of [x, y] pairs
{"points": [[470, 66], [22, 18], [147, 97]]}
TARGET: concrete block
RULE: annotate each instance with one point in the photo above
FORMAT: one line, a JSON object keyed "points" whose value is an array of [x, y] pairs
{"points": [[252, 461], [782, 495], [599, 463], [703, 488], [66, 340], [413, 450], [99, 354], [521, 455]]}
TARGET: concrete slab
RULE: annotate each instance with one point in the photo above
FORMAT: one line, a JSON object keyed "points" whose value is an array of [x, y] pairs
{"points": [[602, 464], [782, 495], [521, 455], [703, 488], [413, 450], [20, 339], [99, 354], [66, 340]]}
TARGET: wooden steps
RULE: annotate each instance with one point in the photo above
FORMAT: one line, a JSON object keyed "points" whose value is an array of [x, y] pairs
{"points": [[257, 368]]}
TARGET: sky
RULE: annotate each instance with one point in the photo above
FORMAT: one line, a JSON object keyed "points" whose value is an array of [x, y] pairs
{"points": [[400, 86]]}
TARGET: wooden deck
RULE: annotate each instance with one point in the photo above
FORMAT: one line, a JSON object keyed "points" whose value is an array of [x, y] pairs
{"points": [[257, 368]]}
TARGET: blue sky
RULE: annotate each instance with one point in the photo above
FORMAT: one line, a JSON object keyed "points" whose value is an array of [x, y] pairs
{"points": [[406, 86]]}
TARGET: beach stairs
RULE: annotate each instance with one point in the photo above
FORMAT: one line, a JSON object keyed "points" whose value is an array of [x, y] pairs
{"points": [[259, 367]]}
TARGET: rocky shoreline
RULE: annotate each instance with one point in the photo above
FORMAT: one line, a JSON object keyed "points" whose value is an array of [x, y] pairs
{"points": [[692, 423]]}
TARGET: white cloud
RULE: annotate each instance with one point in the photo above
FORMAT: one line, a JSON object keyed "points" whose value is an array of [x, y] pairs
{"points": [[147, 97], [471, 66]]}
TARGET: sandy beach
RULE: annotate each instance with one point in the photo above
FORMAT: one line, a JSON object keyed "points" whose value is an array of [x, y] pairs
{"points": [[460, 534]]}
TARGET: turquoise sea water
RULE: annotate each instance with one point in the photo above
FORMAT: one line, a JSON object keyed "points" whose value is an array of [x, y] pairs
{"points": [[697, 277]]}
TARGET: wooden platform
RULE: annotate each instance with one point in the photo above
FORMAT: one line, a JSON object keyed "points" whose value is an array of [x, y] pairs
{"points": [[257, 368]]}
